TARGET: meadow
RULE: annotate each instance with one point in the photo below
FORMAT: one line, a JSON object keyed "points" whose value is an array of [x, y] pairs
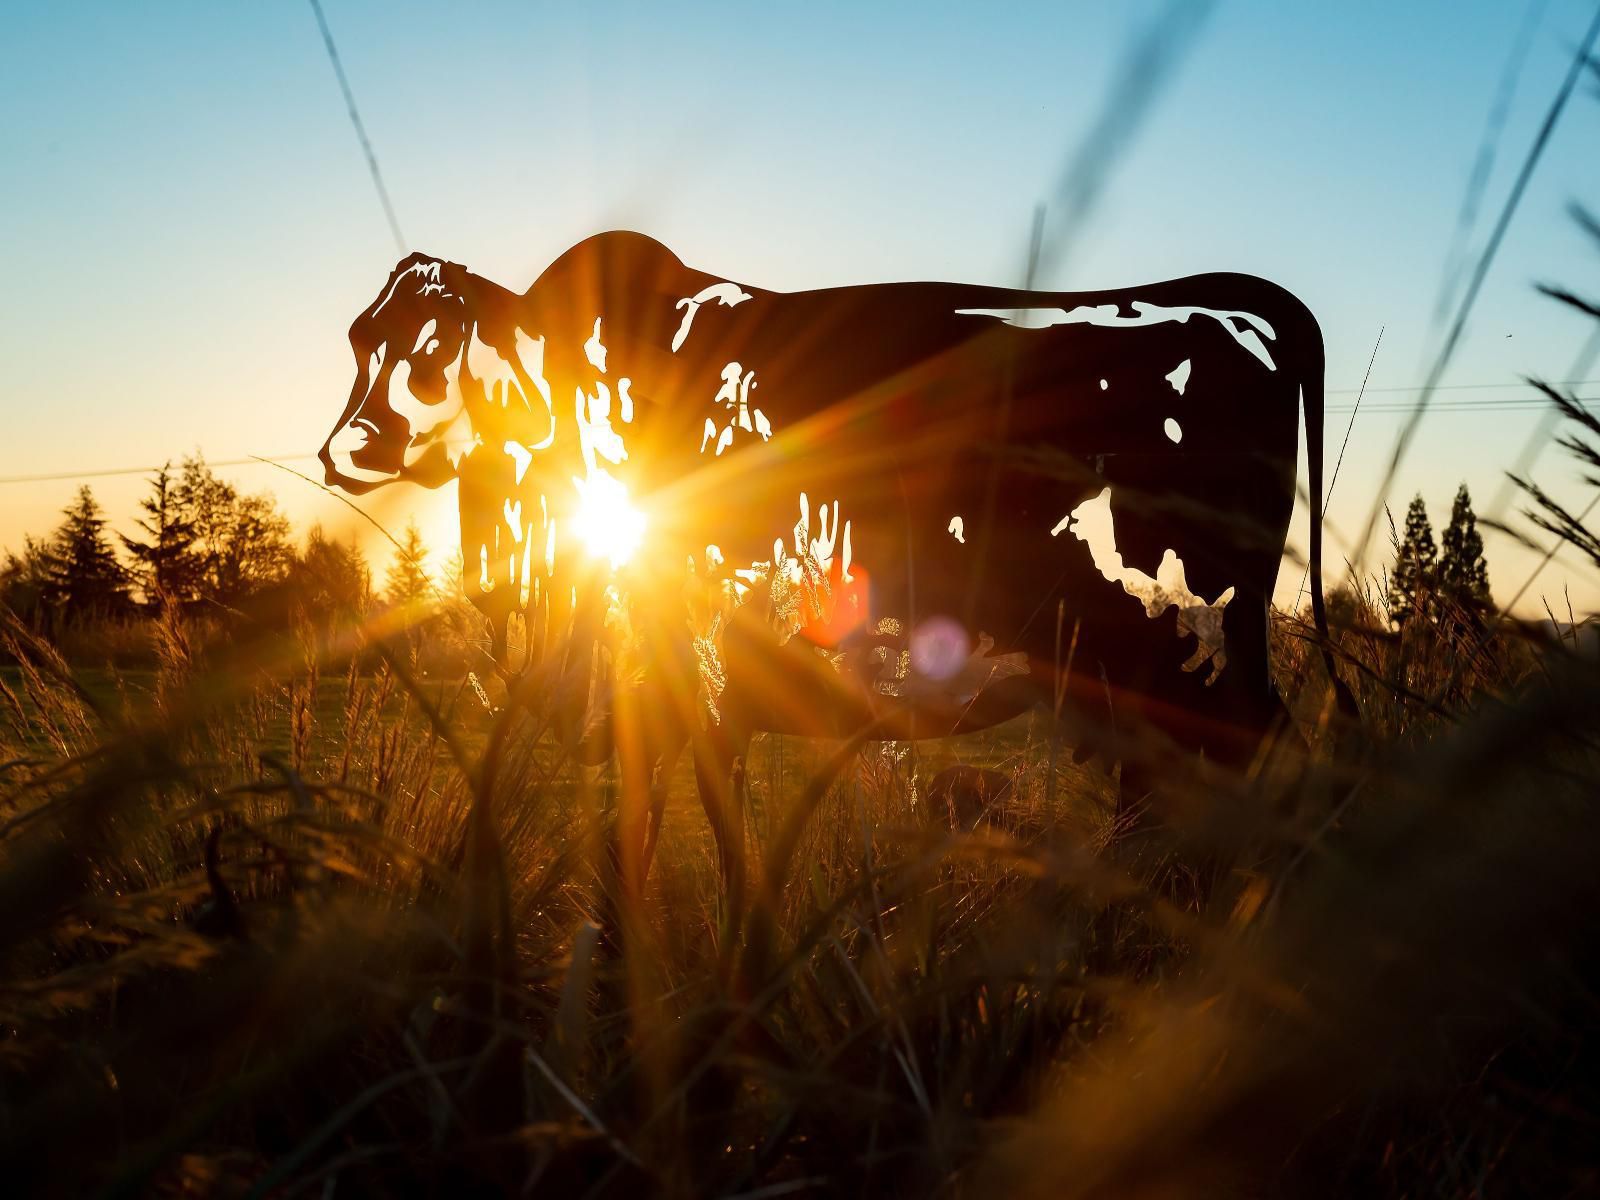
{"points": [[277, 927]]}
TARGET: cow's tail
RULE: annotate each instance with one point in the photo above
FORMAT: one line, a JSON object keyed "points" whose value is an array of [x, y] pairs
{"points": [[1311, 392]]}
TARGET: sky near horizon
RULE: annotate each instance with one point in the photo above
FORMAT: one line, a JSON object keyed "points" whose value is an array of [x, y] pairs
{"points": [[189, 227]]}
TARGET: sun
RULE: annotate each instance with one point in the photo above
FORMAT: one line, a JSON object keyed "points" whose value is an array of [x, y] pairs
{"points": [[608, 524]]}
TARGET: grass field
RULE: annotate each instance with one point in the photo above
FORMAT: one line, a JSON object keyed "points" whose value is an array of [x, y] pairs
{"points": [[303, 931], [778, 765]]}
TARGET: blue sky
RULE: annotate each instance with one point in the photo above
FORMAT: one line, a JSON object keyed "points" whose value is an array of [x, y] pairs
{"points": [[189, 227]]}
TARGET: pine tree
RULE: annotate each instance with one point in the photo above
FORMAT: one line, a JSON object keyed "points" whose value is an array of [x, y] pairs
{"points": [[85, 580], [1412, 583], [1463, 573], [407, 585], [166, 564]]}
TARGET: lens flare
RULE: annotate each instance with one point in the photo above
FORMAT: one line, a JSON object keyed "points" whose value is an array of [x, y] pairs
{"points": [[607, 523]]}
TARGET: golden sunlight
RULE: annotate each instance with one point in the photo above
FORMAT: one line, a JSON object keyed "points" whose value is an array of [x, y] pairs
{"points": [[607, 522], [436, 515]]}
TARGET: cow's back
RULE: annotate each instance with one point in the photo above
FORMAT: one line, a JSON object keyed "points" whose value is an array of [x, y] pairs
{"points": [[959, 429]]}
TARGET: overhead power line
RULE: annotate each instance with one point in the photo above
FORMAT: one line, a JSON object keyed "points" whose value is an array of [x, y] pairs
{"points": [[1460, 387], [1509, 404], [253, 460], [1458, 408], [1540, 436]]}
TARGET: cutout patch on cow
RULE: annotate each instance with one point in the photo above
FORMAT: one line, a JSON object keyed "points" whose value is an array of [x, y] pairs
{"points": [[1092, 523]]}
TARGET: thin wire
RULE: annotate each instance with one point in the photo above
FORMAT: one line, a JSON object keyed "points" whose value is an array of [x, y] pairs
{"points": [[361, 130], [1540, 437], [56, 477], [1483, 406], [1455, 408], [1460, 387], [359, 511], [1340, 461], [1480, 272]]}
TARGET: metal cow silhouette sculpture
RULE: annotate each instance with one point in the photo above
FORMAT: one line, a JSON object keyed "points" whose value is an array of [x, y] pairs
{"points": [[891, 499]]}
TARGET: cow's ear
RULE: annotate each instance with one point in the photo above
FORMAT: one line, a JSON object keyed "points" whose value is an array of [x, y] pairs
{"points": [[416, 275]]}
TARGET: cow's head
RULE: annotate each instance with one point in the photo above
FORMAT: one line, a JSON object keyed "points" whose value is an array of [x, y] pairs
{"points": [[410, 345]]}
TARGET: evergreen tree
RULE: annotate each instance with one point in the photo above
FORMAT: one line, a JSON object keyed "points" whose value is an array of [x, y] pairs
{"points": [[408, 585], [166, 563], [1463, 573], [84, 579], [1412, 583]]}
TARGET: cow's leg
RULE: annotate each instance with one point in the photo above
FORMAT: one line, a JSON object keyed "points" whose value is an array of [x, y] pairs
{"points": [[1229, 722], [1263, 729], [1246, 703], [719, 758]]}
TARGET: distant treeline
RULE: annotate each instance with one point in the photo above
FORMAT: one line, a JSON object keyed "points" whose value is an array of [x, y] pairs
{"points": [[203, 548]]}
